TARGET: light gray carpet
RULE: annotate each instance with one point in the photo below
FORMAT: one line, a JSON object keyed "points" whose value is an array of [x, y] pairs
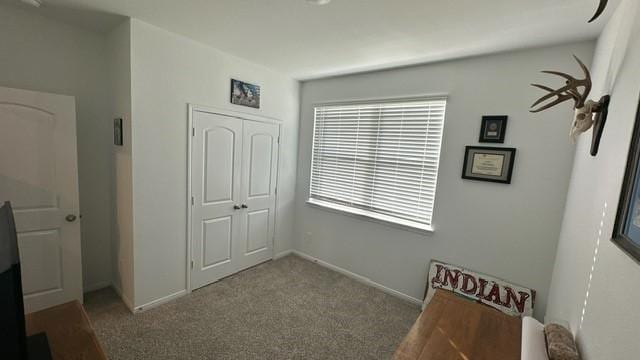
{"points": [[285, 309]]}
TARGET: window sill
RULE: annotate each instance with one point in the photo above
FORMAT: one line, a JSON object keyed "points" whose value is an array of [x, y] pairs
{"points": [[366, 215]]}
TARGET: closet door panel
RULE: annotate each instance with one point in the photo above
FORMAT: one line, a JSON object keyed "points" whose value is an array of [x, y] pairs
{"points": [[260, 162], [257, 230], [259, 170], [216, 188]]}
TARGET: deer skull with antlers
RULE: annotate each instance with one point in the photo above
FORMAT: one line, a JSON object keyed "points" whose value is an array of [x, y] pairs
{"points": [[587, 112]]}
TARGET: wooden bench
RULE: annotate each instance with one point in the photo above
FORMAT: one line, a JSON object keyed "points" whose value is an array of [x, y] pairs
{"points": [[452, 327], [69, 332]]}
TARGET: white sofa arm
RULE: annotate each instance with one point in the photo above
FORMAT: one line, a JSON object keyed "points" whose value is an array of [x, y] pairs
{"points": [[533, 343]]}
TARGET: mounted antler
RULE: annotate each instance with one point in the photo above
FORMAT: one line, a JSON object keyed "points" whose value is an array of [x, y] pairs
{"points": [[577, 90], [588, 113], [601, 7], [568, 92]]}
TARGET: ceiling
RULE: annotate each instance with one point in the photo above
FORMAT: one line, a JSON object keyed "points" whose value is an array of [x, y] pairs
{"points": [[308, 41]]}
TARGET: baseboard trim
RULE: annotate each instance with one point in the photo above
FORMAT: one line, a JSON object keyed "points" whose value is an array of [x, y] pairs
{"points": [[277, 256], [359, 278], [96, 286], [170, 297], [160, 301], [282, 254], [124, 299]]}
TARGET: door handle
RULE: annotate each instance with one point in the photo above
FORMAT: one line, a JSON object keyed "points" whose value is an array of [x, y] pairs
{"points": [[70, 218], [236, 207], [244, 206]]}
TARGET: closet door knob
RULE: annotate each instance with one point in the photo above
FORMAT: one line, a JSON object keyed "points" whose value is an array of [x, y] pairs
{"points": [[244, 206], [236, 207]]}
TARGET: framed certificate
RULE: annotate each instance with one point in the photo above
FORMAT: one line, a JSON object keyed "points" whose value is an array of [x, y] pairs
{"points": [[488, 164]]}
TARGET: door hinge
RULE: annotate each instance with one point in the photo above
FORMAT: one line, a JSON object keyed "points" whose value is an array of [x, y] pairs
{"points": [[192, 201], [193, 131], [276, 191], [191, 264]]}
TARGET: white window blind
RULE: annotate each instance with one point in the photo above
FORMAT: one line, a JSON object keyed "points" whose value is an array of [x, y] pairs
{"points": [[378, 160]]}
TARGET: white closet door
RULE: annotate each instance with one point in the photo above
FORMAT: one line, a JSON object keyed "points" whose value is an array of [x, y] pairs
{"points": [[259, 176], [216, 168], [233, 175], [39, 175]]}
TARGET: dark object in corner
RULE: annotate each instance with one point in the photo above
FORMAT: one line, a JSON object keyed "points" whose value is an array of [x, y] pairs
{"points": [[38, 347], [14, 343], [626, 232], [601, 7], [598, 124]]}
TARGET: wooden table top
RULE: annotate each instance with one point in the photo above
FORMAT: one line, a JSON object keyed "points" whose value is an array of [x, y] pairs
{"points": [[455, 328], [69, 332]]}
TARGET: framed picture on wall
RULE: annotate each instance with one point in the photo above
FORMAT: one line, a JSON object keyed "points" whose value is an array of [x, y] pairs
{"points": [[626, 232], [493, 129], [488, 164], [245, 94]]}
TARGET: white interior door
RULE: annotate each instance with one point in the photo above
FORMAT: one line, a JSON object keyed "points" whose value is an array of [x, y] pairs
{"points": [[233, 182], [39, 175], [259, 175], [215, 220]]}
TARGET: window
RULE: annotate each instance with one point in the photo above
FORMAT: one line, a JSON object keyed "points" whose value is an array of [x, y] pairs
{"points": [[378, 160]]}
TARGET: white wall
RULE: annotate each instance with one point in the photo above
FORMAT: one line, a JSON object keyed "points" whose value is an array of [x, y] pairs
{"points": [[168, 72], [509, 231], [45, 55], [119, 58], [595, 284]]}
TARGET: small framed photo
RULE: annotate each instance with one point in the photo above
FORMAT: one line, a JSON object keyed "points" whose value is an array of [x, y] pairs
{"points": [[493, 129], [245, 94], [117, 132], [626, 231], [488, 164]]}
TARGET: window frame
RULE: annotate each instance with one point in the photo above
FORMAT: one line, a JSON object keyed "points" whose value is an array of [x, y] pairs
{"points": [[366, 214]]}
